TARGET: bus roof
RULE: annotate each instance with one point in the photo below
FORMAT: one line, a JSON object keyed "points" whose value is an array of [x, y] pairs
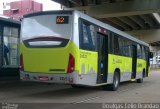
{"points": [[48, 12], [9, 20], [88, 18], [111, 28]]}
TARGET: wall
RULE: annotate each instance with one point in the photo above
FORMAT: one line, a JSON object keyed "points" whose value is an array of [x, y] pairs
{"points": [[20, 8]]}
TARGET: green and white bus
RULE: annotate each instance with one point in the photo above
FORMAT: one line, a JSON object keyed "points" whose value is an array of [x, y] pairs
{"points": [[70, 47]]}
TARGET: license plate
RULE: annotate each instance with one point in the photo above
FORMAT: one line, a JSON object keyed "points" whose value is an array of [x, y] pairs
{"points": [[43, 78]]}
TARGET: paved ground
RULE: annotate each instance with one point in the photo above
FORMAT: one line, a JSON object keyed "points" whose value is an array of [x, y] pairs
{"points": [[130, 92]]}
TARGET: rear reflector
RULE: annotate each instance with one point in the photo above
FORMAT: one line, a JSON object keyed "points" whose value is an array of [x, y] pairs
{"points": [[71, 64]]}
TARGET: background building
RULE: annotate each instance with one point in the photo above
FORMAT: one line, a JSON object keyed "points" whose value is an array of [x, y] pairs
{"points": [[19, 8]]}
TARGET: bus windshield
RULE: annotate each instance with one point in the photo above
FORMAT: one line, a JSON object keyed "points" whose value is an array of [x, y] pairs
{"points": [[46, 26]]}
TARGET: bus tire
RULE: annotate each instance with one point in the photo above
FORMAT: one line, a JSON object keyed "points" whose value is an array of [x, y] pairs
{"points": [[76, 86], [140, 80], [116, 81]]}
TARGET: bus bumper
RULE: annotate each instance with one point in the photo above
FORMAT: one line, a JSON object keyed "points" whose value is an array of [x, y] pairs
{"points": [[72, 78], [49, 78]]}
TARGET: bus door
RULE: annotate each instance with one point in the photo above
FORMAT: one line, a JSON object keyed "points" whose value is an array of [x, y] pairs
{"points": [[1, 45], [147, 62], [134, 61], [102, 58]]}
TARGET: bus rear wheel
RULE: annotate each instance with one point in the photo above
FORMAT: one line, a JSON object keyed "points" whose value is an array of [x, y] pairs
{"points": [[116, 81], [140, 80], [76, 86]]}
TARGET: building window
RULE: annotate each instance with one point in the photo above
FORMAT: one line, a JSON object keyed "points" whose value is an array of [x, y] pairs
{"points": [[15, 11]]}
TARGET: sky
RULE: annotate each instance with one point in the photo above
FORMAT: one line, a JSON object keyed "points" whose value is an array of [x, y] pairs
{"points": [[47, 4]]}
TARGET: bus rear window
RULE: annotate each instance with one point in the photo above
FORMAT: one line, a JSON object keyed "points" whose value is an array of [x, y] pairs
{"points": [[58, 25], [45, 43]]}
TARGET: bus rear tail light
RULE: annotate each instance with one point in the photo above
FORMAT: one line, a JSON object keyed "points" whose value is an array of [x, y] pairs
{"points": [[71, 64], [21, 63]]}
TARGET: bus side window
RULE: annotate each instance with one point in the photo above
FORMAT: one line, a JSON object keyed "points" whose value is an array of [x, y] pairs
{"points": [[111, 42], [87, 36], [130, 49], [116, 45], [146, 53], [127, 48], [124, 45], [143, 53], [93, 34], [139, 51], [121, 46]]}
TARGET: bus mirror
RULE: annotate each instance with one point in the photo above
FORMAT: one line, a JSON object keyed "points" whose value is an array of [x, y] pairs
{"points": [[150, 55]]}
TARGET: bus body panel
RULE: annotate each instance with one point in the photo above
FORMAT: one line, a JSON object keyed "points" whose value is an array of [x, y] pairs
{"points": [[124, 64], [141, 65], [88, 62], [49, 60], [53, 62]]}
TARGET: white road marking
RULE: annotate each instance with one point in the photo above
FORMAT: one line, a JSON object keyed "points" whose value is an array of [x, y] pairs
{"points": [[85, 100]]}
